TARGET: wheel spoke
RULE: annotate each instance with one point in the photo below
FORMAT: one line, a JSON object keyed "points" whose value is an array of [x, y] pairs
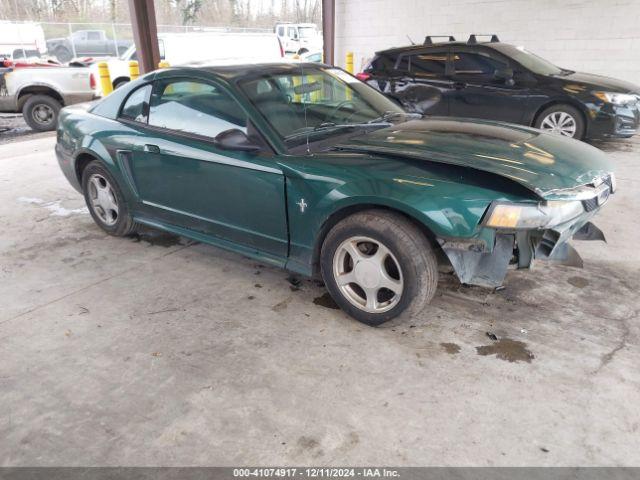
{"points": [[390, 283], [561, 118], [381, 254], [372, 298], [353, 251], [96, 183], [109, 202], [346, 278]]}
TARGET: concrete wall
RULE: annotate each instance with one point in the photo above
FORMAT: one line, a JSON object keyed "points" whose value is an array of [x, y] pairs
{"points": [[596, 36]]}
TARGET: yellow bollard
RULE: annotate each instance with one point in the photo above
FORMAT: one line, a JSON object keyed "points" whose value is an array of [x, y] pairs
{"points": [[134, 70], [163, 64], [349, 64], [316, 97], [349, 68], [297, 98], [105, 79]]}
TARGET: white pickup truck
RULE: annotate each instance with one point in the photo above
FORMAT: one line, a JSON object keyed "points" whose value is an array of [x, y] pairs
{"points": [[40, 90], [212, 47], [299, 38]]}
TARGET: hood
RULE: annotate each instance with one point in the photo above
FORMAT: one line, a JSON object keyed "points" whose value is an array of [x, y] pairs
{"points": [[601, 82], [541, 162]]}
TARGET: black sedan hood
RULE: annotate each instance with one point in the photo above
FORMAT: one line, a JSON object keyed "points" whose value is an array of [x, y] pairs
{"points": [[601, 82]]}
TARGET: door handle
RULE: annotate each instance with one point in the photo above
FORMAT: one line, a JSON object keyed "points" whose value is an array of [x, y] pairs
{"points": [[151, 148], [459, 85]]}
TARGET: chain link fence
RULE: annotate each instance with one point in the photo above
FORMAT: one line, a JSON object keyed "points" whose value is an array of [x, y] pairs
{"points": [[65, 40]]}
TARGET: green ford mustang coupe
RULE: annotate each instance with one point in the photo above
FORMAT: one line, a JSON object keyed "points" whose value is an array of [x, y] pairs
{"points": [[305, 167]]}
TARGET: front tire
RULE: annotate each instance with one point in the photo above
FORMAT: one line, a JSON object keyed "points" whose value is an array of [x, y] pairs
{"points": [[105, 201], [41, 112], [563, 120], [378, 265]]}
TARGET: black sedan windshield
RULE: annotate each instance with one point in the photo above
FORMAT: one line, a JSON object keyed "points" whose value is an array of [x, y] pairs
{"points": [[528, 60], [311, 103]]}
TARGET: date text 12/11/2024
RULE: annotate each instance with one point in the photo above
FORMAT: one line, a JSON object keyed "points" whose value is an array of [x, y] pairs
{"points": [[310, 472]]}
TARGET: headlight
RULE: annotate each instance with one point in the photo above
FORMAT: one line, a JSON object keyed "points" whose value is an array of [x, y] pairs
{"points": [[616, 98], [525, 216]]}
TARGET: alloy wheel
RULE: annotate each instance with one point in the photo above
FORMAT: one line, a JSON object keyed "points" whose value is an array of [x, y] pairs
{"points": [[103, 199], [560, 123], [368, 274]]}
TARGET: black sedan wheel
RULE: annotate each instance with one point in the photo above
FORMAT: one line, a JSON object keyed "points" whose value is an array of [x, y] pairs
{"points": [[378, 265], [563, 120], [105, 201]]}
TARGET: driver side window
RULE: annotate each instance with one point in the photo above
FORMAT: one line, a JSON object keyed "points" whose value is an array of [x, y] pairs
{"points": [[194, 107]]}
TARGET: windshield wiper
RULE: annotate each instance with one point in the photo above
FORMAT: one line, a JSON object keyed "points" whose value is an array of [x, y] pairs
{"points": [[390, 114], [326, 127]]}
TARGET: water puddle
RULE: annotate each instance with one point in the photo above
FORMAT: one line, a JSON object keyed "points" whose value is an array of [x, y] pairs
{"points": [[509, 350]]}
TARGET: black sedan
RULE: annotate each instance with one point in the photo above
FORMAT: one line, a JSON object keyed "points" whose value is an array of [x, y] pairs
{"points": [[498, 81]]}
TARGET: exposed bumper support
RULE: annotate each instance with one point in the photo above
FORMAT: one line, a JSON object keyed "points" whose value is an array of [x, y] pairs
{"points": [[478, 267], [474, 264]]}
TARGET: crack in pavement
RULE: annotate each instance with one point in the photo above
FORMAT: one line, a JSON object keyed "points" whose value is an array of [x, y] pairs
{"points": [[626, 332]]}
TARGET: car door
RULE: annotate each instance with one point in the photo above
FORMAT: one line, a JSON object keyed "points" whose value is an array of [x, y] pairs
{"points": [[182, 178], [484, 86], [292, 39], [420, 81]]}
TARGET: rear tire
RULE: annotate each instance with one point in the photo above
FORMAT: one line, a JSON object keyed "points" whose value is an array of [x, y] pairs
{"points": [[119, 83], [105, 201], [41, 112], [563, 120], [63, 54], [369, 251]]}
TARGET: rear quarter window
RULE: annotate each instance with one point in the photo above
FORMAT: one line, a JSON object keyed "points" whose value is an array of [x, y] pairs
{"points": [[381, 63], [136, 106]]}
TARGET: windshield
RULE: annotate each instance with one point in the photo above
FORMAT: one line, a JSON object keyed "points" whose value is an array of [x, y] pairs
{"points": [[315, 103], [529, 60], [128, 53], [307, 32]]}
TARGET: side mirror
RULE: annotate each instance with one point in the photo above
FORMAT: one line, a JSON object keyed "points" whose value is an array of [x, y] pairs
{"points": [[505, 74], [235, 139]]}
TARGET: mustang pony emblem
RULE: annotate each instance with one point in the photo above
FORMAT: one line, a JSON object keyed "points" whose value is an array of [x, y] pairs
{"points": [[302, 204]]}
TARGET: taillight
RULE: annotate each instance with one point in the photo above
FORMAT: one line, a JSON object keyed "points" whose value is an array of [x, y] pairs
{"points": [[363, 76], [7, 63], [92, 81]]}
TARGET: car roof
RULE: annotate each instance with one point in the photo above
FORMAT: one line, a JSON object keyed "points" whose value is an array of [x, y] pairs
{"points": [[234, 72], [420, 47]]}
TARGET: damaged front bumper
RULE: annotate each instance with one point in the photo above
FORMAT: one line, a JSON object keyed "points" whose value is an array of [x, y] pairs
{"points": [[484, 261]]}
